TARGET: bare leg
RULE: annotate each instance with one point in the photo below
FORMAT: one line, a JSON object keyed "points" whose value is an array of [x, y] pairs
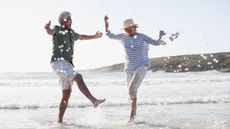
{"points": [[83, 88], [133, 109], [63, 104]]}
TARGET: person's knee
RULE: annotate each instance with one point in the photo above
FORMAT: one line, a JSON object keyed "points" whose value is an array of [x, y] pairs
{"points": [[132, 93], [78, 78], [66, 96]]}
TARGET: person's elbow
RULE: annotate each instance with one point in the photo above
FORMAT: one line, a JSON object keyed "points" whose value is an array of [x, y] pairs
{"points": [[82, 37]]}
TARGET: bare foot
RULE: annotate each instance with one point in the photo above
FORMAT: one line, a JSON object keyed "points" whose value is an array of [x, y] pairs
{"points": [[97, 102], [131, 119], [62, 125]]}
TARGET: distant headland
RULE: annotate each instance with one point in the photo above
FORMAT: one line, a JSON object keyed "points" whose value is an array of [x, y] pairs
{"points": [[182, 63]]}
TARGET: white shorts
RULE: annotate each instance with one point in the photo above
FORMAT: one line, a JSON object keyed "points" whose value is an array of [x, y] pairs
{"points": [[134, 79], [66, 73]]}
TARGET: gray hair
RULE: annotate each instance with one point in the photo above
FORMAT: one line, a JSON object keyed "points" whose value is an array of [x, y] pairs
{"points": [[63, 15]]}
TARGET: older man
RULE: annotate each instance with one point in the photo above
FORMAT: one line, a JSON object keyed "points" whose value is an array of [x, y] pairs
{"points": [[61, 60], [136, 49]]}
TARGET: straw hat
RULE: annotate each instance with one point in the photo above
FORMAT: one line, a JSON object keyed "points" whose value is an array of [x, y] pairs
{"points": [[129, 23]]}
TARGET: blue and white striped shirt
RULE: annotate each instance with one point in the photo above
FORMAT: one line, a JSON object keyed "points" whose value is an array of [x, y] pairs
{"points": [[136, 48]]}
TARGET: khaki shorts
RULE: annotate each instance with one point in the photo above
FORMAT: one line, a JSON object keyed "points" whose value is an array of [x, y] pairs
{"points": [[134, 79], [66, 73]]}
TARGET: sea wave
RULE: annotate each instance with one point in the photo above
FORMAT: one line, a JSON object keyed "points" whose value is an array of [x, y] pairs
{"points": [[112, 79], [108, 104], [147, 81]]}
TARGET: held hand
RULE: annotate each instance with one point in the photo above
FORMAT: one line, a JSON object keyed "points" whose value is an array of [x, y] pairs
{"points": [[47, 25], [98, 34], [161, 34]]}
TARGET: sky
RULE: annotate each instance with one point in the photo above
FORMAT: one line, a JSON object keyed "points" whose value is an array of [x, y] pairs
{"points": [[204, 27]]}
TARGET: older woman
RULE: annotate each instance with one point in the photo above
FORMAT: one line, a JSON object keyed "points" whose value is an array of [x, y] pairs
{"points": [[136, 49]]}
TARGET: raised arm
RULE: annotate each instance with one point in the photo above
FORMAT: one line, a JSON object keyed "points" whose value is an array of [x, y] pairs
{"points": [[88, 37], [106, 18], [161, 34], [48, 29], [108, 32]]}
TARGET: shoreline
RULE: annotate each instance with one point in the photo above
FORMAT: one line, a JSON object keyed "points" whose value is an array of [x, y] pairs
{"points": [[205, 116]]}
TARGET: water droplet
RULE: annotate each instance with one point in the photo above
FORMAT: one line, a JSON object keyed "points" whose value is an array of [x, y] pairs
{"points": [[215, 60], [60, 46], [204, 57], [186, 69], [61, 71], [61, 32], [179, 66], [209, 63]]}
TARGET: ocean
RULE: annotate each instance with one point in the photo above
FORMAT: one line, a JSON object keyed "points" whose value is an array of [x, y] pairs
{"points": [[190, 100]]}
